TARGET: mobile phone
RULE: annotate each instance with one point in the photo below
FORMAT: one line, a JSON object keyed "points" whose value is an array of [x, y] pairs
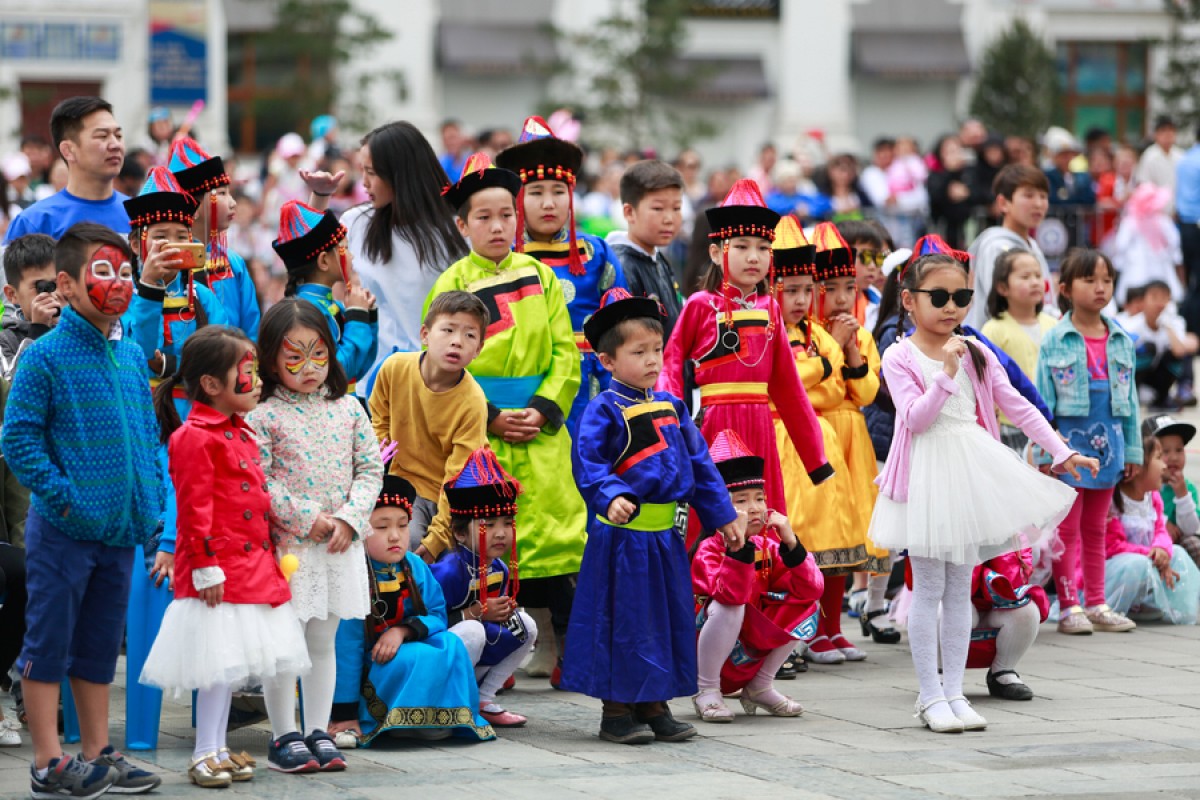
{"points": [[191, 254]]}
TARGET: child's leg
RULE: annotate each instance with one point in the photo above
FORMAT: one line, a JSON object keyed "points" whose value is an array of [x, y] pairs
{"points": [[877, 592], [474, 637], [715, 643], [956, 627], [1092, 522], [498, 674], [1018, 627], [762, 685], [1066, 566], [829, 624], [929, 584], [212, 718], [318, 684], [279, 696]]}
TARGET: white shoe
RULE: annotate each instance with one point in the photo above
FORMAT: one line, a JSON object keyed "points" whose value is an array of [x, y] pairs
{"points": [[969, 717], [938, 717], [847, 648], [833, 656], [10, 733]]}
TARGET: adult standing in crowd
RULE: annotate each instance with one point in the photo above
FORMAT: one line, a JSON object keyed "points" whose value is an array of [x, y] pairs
{"points": [[1160, 160], [1187, 206], [92, 144]]}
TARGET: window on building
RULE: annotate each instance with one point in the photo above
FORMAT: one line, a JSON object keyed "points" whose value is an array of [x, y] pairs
{"points": [[1103, 85], [265, 79]]}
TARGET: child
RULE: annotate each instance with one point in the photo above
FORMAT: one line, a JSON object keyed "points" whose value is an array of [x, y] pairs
{"points": [[1086, 376], [529, 371], [637, 456], [1147, 245], [481, 590], [652, 202], [858, 383], [757, 595], [312, 246], [94, 497], [322, 464], [1016, 322], [1164, 346], [945, 492], [32, 304], [1022, 197], [1145, 574], [585, 266], [225, 272], [733, 333], [1008, 610], [230, 622], [431, 407], [399, 671], [1178, 493], [870, 248]]}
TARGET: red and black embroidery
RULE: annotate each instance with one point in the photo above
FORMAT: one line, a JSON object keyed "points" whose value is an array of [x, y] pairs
{"points": [[644, 423], [744, 339], [499, 298]]}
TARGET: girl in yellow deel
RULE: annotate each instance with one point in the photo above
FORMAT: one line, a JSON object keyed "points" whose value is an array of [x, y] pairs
{"points": [[857, 380]]}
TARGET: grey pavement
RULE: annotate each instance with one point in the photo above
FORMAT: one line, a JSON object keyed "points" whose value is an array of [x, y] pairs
{"points": [[1116, 715]]}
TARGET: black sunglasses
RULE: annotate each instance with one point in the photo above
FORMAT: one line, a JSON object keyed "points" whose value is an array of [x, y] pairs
{"points": [[939, 297]]}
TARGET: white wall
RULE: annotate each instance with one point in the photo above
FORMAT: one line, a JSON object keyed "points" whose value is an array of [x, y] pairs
{"points": [[490, 102], [924, 109]]}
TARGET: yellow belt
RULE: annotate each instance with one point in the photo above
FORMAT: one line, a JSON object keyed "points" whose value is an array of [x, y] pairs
{"points": [[651, 517], [721, 394]]}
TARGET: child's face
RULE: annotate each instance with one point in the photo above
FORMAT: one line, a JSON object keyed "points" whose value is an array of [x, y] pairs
{"points": [[1027, 208], [452, 341], [547, 206], [1151, 476], [1155, 303], [104, 289], [749, 260], [170, 232], [656, 218], [1173, 453], [1092, 292], [303, 361], [23, 294], [1025, 287], [919, 305], [491, 223], [388, 540], [796, 298], [238, 390], [868, 260], [754, 503], [497, 538], [638, 361], [840, 294], [226, 207]]}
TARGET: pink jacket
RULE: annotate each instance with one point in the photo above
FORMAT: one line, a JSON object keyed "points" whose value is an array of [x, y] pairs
{"points": [[1115, 541], [918, 406]]}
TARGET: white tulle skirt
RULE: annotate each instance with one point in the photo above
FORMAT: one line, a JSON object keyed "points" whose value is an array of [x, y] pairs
{"points": [[969, 497], [328, 584], [198, 647]]}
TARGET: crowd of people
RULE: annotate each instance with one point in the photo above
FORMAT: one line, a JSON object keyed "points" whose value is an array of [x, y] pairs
{"points": [[475, 432]]}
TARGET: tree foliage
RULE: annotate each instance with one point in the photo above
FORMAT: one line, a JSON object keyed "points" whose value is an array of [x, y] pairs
{"points": [[1178, 85], [1016, 90]]}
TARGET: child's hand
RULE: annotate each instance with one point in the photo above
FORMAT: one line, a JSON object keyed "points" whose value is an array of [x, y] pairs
{"points": [[1160, 557], [499, 609], [343, 535], [840, 329], [1169, 576], [322, 528], [1173, 529], [780, 523], [1131, 471], [45, 308], [952, 352], [358, 296], [162, 263], [423, 553], [515, 427], [385, 649], [620, 511], [321, 182], [1174, 479], [164, 568], [1077, 462], [734, 533], [213, 595]]}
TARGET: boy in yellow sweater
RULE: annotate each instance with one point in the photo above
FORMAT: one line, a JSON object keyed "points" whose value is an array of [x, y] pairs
{"points": [[435, 412]]}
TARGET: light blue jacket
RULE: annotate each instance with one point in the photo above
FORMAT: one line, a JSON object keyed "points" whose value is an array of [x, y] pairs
{"points": [[1062, 378]]}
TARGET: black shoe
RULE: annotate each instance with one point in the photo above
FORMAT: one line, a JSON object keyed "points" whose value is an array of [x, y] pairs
{"points": [[888, 635], [666, 728], [625, 730], [787, 672], [1007, 691]]}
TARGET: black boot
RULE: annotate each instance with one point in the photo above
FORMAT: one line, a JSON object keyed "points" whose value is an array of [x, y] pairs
{"points": [[666, 728], [619, 725], [888, 635]]}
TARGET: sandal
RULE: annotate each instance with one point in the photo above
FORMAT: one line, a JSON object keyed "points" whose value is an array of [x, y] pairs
{"points": [[713, 709], [240, 766], [783, 707], [206, 772], [888, 635]]}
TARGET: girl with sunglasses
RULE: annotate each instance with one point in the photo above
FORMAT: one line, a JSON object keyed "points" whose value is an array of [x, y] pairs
{"points": [[938, 492]]}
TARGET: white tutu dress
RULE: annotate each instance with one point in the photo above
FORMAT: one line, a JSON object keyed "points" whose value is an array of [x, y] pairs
{"points": [[969, 496], [237, 644]]}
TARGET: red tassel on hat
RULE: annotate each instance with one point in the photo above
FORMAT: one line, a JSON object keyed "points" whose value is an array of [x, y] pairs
{"points": [[574, 262], [514, 578], [342, 265], [485, 564], [519, 245]]}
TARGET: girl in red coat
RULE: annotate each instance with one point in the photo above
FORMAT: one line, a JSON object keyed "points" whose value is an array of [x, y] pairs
{"points": [[230, 622], [757, 595]]}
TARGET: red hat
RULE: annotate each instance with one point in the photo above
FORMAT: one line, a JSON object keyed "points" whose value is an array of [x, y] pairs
{"points": [[740, 468], [743, 212]]}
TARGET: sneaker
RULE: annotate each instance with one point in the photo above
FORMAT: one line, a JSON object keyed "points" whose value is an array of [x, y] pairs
{"points": [[131, 779], [1074, 622], [1105, 619], [10, 733], [1185, 395], [71, 777], [321, 745], [289, 753], [847, 648]]}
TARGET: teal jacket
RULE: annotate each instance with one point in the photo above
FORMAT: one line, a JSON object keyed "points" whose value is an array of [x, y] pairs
{"points": [[1062, 378]]}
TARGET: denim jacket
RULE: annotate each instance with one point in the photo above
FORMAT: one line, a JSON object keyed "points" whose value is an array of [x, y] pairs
{"points": [[1062, 378]]}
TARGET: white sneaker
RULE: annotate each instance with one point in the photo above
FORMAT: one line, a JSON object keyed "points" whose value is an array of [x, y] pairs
{"points": [[10, 733]]}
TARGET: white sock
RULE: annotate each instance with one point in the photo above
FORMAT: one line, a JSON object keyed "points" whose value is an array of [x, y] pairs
{"points": [[499, 673], [956, 626], [1018, 628], [318, 685], [715, 643], [279, 696], [212, 718]]}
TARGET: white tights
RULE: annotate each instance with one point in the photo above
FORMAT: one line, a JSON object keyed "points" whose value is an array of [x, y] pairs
{"points": [[940, 583], [474, 636], [279, 692], [1017, 627], [716, 642], [212, 719]]}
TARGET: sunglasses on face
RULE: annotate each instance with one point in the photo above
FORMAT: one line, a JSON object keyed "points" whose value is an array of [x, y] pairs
{"points": [[939, 297], [869, 257]]}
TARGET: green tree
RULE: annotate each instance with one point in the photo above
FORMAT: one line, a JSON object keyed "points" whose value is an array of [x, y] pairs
{"points": [[1178, 85], [624, 71], [1016, 90]]}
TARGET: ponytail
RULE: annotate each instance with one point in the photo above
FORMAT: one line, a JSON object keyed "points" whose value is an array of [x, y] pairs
{"points": [[977, 357], [164, 407]]}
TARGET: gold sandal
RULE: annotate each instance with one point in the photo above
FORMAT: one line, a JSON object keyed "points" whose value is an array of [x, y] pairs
{"points": [[206, 772], [240, 766]]}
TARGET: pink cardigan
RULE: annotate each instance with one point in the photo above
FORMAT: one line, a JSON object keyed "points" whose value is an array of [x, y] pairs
{"points": [[1116, 541], [918, 406]]}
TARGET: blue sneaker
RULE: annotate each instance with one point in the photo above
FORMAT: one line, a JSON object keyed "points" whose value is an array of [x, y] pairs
{"points": [[131, 779], [322, 746], [71, 777], [289, 753]]}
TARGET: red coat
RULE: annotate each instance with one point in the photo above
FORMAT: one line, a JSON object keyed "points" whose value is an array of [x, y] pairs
{"points": [[221, 494]]}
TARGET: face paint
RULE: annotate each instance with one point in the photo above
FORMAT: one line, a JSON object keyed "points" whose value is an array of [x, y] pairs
{"points": [[108, 278], [247, 374], [297, 357]]}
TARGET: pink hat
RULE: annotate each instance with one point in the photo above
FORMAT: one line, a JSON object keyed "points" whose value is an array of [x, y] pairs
{"points": [[290, 145], [16, 165]]}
